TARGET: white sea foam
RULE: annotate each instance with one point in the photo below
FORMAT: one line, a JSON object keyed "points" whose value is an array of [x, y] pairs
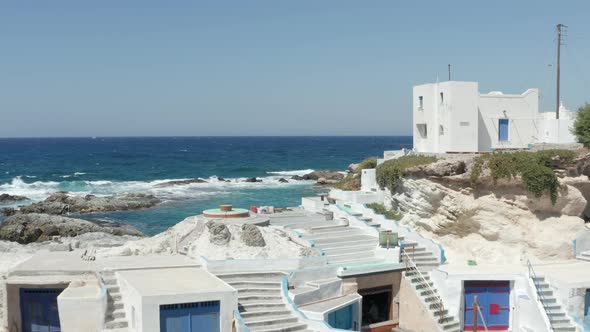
{"points": [[40, 190], [79, 173], [299, 172]]}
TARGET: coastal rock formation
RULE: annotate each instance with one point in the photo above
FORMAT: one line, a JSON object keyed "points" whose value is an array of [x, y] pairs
{"points": [[283, 180], [61, 203], [9, 199], [179, 183], [218, 233], [316, 175], [35, 227], [252, 180], [252, 236], [500, 223]]}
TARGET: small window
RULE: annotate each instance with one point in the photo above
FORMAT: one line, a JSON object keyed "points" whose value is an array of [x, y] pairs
{"points": [[442, 98], [421, 103], [423, 130], [503, 130], [441, 130], [464, 124]]}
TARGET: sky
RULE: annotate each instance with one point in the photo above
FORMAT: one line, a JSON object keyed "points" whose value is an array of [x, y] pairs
{"points": [[305, 67]]}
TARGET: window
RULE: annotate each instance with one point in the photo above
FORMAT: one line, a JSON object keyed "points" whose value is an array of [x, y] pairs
{"points": [[503, 130], [441, 130], [442, 98], [464, 124], [421, 103], [422, 130]]}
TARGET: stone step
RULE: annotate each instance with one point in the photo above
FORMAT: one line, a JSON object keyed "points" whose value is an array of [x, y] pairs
{"points": [[113, 288], [564, 328], [114, 314], [321, 282], [250, 276], [289, 327], [269, 322], [116, 323], [113, 297], [350, 249], [110, 281], [255, 284], [259, 306], [364, 261], [344, 244], [346, 239], [450, 325], [258, 291], [256, 298], [351, 256], [302, 289], [328, 229], [264, 313], [349, 231]]}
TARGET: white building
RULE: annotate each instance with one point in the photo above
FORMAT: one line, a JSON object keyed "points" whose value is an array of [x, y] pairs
{"points": [[454, 116]]}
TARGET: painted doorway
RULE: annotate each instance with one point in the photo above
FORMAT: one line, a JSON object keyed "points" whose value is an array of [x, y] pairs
{"points": [[39, 311], [494, 300], [190, 317], [587, 308], [503, 130]]}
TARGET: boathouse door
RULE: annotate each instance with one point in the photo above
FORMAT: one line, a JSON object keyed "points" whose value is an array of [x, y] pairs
{"points": [[39, 309], [494, 301], [190, 317]]}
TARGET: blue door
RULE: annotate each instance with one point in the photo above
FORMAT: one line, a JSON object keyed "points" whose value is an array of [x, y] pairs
{"points": [[341, 318], [493, 298], [190, 317], [587, 308], [503, 130], [39, 309]]}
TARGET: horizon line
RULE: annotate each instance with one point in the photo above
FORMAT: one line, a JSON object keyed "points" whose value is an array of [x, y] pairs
{"points": [[197, 136]]}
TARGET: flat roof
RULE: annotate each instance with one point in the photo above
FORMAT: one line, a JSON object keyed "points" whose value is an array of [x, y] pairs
{"points": [[326, 305], [174, 281]]}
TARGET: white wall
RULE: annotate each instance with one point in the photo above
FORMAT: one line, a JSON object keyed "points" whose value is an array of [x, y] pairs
{"points": [[82, 307], [369, 180], [556, 131], [451, 120], [522, 113]]}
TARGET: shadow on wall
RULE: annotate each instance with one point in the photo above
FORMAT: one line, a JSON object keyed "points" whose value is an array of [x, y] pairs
{"points": [[484, 139]]}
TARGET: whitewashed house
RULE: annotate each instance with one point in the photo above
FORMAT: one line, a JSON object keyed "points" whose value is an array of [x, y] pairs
{"points": [[454, 117]]}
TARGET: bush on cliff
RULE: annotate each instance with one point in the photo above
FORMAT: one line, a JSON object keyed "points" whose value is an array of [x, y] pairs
{"points": [[381, 209], [352, 181], [534, 168], [391, 171], [582, 125]]}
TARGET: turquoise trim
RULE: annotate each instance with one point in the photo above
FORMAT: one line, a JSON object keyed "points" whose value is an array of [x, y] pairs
{"points": [[241, 323], [575, 251], [582, 324]]}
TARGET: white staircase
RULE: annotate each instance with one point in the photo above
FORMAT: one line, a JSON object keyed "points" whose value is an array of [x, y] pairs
{"points": [[424, 259], [115, 320], [260, 302], [558, 318], [428, 294]]}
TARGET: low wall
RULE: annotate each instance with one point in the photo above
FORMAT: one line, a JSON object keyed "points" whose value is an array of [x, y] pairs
{"points": [[254, 265], [82, 307], [362, 197]]}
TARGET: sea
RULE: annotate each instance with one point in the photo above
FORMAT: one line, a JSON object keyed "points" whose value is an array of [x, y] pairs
{"points": [[37, 167]]}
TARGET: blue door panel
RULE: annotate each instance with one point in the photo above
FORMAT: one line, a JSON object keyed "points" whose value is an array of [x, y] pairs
{"points": [[39, 311], [341, 318], [503, 130], [587, 308], [494, 301], [190, 317]]}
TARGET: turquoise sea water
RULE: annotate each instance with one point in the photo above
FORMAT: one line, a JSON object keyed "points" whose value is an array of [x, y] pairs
{"points": [[37, 167]]}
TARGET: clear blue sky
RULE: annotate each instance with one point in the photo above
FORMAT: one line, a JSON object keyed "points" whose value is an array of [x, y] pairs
{"points": [[305, 67]]}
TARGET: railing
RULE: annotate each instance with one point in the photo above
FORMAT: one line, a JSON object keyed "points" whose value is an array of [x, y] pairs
{"points": [[541, 297], [439, 305]]}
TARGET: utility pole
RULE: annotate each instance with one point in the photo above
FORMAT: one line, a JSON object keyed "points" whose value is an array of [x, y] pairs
{"points": [[560, 30], [449, 71]]}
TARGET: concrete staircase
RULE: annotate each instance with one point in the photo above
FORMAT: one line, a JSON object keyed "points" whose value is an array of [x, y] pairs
{"points": [[584, 256], [560, 321], [429, 296], [115, 320], [424, 259], [345, 245], [260, 302]]}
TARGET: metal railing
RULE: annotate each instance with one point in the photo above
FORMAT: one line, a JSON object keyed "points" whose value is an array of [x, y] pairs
{"points": [[540, 296], [439, 305]]}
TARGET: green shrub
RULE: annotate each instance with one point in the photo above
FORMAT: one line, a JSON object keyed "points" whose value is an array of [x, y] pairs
{"points": [[582, 125], [534, 168], [391, 171], [388, 214], [366, 164]]}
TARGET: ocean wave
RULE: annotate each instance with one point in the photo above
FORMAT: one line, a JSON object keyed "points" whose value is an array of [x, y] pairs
{"points": [[40, 190], [299, 172]]}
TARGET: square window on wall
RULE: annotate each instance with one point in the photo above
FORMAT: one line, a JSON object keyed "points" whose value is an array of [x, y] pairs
{"points": [[421, 102]]}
